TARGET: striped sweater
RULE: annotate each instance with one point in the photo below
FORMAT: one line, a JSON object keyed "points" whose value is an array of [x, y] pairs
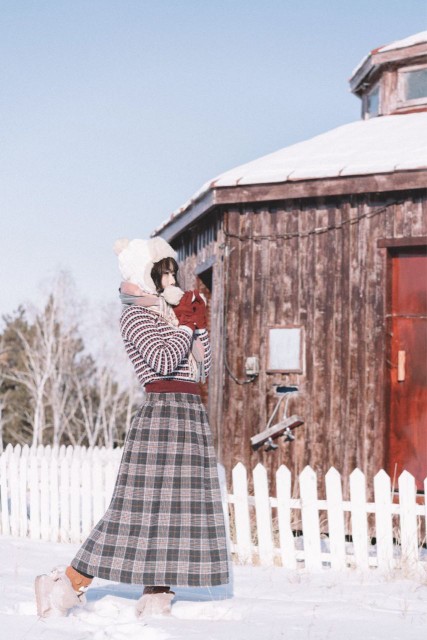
{"points": [[157, 350]]}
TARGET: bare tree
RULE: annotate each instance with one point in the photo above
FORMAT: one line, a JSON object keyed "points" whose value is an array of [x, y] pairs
{"points": [[49, 351], [89, 413], [115, 381], [4, 396], [59, 393], [38, 366], [104, 408]]}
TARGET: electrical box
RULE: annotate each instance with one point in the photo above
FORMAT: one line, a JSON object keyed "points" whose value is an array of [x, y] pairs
{"points": [[252, 366]]}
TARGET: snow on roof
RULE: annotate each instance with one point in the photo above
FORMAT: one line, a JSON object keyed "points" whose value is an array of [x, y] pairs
{"points": [[379, 145], [416, 38]]}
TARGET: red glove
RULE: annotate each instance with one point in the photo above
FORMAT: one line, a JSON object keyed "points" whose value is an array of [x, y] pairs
{"points": [[199, 311], [184, 311]]}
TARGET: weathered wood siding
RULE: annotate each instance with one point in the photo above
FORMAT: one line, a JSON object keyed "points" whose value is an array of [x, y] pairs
{"points": [[333, 284], [198, 247]]}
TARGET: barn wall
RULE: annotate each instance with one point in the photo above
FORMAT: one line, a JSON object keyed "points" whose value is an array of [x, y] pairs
{"points": [[333, 284], [198, 248]]}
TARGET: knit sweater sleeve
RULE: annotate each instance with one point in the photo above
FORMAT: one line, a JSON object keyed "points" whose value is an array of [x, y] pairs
{"points": [[162, 354], [203, 336]]}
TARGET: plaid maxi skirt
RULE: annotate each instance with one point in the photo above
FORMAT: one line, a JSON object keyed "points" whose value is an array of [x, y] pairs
{"points": [[165, 523]]}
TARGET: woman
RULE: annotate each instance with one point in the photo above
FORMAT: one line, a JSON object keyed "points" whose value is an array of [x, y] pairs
{"points": [[165, 524]]}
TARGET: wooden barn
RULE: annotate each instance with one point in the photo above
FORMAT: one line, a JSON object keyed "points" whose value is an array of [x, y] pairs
{"points": [[314, 259]]}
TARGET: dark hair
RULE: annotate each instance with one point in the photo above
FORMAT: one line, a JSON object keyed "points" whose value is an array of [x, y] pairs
{"points": [[161, 267]]}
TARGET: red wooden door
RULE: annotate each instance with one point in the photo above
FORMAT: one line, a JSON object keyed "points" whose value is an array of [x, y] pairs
{"points": [[407, 364]]}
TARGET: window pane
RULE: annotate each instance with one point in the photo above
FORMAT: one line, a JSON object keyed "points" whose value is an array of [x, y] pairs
{"points": [[374, 102], [416, 84]]}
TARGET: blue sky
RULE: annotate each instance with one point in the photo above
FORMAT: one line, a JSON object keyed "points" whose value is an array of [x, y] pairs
{"points": [[114, 112]]}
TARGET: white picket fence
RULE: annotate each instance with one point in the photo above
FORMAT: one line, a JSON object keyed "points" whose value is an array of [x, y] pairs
{"points": [[59, 494]]}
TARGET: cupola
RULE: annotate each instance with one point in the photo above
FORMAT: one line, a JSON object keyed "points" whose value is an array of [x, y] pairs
{"points": [[393, 79]]}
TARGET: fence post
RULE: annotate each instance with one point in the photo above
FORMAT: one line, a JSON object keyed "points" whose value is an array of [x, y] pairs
{"points": [[34, 496], [75, 498], [224, 500], [241, 514], [383, 521], [263, 516], [310, 519], [4, 496], [335, 519], [359, 525], [14, 490], [98, 487], [64, 497], [287, 542], [23, 472], [44, 498], [86, 489], [54, 495], [408, 522]]}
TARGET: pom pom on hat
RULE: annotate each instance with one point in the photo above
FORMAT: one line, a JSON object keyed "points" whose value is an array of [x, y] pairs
{"points": [[137, 257], [119, 245]]}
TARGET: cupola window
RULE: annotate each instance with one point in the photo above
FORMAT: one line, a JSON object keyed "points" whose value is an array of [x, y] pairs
{"points": [[416, 84], [413, 86], [393, 79], [373, 102]]}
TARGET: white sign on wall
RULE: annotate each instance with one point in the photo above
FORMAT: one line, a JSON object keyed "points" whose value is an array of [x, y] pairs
{"points": [[286, 349]]}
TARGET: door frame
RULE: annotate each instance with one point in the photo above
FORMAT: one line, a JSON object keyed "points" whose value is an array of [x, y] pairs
{"points": [[392, 247]]}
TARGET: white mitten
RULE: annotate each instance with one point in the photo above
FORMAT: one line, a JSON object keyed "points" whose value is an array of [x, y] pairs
{"points": [[172, 294]]}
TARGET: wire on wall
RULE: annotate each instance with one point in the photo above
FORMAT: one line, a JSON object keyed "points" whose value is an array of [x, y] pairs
{"points": [[257, 238], [316, 230]]}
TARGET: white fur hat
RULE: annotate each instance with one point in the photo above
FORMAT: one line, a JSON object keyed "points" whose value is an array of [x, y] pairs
{"points": [[137, 257]]}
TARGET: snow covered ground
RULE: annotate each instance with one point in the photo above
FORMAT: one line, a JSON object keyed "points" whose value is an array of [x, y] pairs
{"points": [[264, 604]]}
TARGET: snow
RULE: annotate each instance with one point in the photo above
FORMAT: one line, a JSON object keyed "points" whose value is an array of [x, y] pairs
{"points": [[265, 603], [410, 41], [379, 145]]}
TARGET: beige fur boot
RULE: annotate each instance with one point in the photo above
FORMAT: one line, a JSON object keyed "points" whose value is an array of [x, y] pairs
{"points": [[155, 601], [56, 594]]}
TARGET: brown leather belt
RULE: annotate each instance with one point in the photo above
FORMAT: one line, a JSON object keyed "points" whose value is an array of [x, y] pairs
{"points": [[172, 386]]}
